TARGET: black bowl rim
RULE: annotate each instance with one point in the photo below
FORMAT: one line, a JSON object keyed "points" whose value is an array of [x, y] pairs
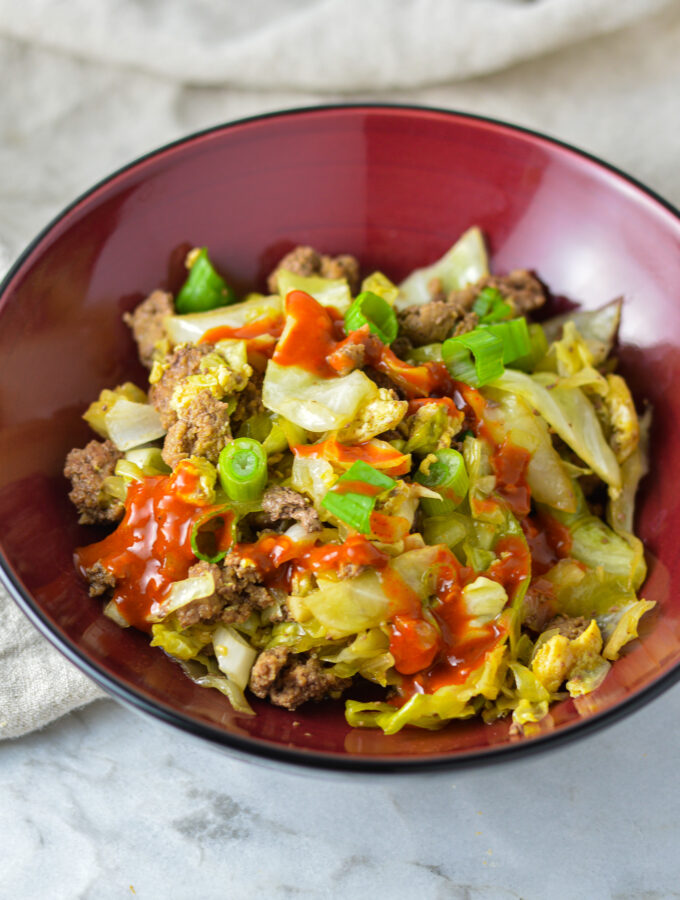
{"points": [[251, 749]]}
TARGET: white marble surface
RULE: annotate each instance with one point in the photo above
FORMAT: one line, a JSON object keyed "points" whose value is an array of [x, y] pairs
{"points": [[104, 804]]}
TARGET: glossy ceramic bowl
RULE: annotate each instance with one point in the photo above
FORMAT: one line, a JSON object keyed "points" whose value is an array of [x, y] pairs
{"points": [[394, 186]]}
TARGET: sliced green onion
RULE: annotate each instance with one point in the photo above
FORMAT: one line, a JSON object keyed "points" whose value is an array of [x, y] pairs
{"points": [[354, 506], [204, 289], [217, 532], [370, 309], [353, 509], [490, 306], [242, 467], [448, 476], [361, 471], [539, 347], [475, 357], [515, 337]]}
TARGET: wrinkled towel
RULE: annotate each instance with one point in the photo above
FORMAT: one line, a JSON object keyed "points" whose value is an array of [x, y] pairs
{"points": [[101, 83]]}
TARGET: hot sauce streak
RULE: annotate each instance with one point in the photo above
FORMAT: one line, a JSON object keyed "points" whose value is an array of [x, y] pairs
{"points": [[378, 454], [151, 548]]}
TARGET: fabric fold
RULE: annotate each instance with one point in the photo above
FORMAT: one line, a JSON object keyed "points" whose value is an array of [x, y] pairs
{"points": [[323, 45]]}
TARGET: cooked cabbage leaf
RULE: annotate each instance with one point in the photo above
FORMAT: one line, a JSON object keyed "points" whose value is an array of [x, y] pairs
{"points": [[464, 263], [192, 327], [569, 412]]}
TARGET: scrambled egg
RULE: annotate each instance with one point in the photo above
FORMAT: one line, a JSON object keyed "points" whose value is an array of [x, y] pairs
{"points": [[379, 415], [577, 661]]}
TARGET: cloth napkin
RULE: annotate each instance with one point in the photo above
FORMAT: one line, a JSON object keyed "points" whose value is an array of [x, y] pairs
{"points": [[87, 87]]}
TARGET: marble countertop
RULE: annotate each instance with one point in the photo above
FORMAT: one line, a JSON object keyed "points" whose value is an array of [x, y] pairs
{"points": [[106, 804]]}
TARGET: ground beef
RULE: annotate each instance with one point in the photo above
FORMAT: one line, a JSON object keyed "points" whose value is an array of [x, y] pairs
{"points": [[146, 322], [569, 626], [520, 288], [289, 680], [344, 266], [306, 261], [435, 321], [469, 322], [202, 429], [347, 357], [401, 346], [427, 323], [284, 503], [383, 380], [185, 360], [248, 401], [238, 591], [100, 580], [539, 605], [87, 469]]}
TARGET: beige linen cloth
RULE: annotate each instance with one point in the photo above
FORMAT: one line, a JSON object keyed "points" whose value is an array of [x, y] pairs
{"points": [[87, 87]]}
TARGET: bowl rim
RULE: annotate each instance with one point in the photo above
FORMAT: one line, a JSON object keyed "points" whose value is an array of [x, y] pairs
{"points": [[252, 749]]}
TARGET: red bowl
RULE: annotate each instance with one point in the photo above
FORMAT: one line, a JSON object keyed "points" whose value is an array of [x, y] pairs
{"points": [[394, 186]]}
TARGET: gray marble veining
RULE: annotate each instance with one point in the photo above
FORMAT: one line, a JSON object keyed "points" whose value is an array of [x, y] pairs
{"points": [[104, 804]]}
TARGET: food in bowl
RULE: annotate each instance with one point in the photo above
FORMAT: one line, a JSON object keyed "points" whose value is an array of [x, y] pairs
{"points": [[342, 482]]}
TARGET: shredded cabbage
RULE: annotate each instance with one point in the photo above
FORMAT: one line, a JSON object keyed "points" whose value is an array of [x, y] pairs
{"points": [[191, 328], [464, 263], [598, 328], [316, 404], [130, 424], [569, 412], [333, 292]]}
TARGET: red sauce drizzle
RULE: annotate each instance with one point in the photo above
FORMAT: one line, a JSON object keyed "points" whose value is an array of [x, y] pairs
{"points": [[548, 540], [151, 548], [509, 464], [459, 651], [278, 558], [378, 454], [270, 326], [309, 336]]}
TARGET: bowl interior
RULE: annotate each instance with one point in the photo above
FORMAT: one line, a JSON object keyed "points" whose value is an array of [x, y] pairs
{"points": [[394, 187]]}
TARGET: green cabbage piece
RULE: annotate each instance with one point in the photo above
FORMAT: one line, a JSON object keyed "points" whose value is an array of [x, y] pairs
{"points": [[314, 477], [181, 643], [95, 415], [595, 544], [531, 700], [598, 328], [367, 655], [380, 414], [347, 607], [190, 329], [477, 456], [380, 284], [569, 412], [333, 292], [621, 626], [204, 672], [432, 711], [621, 507], [464, 263], [510, 417], [450, 529], [181, 593], [430, 429], [484, 600], [316, 404], [130, 424]]}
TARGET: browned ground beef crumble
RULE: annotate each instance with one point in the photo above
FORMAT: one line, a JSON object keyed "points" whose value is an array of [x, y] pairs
{"points": [[87, 468]]}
